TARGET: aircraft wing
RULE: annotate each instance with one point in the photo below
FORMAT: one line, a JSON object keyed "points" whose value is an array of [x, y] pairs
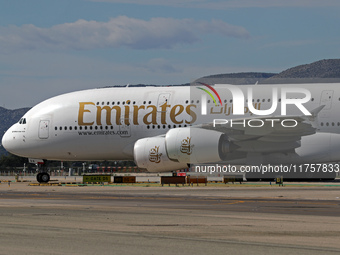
{"points": [[266, 134]]}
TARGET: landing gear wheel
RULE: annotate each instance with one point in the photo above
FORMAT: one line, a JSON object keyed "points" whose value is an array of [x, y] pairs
{"points": [[39, 177], [43, 177]]}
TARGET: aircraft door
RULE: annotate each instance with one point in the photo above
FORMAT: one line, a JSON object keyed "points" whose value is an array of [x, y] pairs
{"points": [[162, 99], [44, 126], [326, 100]]}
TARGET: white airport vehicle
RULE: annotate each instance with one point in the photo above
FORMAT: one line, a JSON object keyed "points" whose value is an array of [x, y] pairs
{"points": [[167, 128]]}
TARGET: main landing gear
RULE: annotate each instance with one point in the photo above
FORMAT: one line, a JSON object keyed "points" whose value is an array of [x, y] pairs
{"points": [[43, 177]]}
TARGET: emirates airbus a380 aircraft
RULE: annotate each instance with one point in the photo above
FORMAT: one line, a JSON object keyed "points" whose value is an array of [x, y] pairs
{"points": [[167, 128]]}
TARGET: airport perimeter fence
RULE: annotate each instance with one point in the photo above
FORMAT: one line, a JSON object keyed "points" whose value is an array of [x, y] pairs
{"points": [[54, 171]]}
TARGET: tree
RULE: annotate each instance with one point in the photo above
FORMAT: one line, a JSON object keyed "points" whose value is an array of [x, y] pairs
{"points": [[11, 160]]}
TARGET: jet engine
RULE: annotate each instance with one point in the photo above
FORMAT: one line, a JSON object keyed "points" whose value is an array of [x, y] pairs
{"points": [[150, 154], [180, 147]]}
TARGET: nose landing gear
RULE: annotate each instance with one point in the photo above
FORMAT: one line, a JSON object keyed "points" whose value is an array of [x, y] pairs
{"points": [[42, 176]]}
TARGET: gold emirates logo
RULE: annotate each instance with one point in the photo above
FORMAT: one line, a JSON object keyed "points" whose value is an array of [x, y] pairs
{"points": [[186, 146], [89, 114], [154, 155]]}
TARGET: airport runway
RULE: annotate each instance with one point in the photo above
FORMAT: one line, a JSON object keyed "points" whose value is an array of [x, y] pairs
{"points": [[169, 220]]}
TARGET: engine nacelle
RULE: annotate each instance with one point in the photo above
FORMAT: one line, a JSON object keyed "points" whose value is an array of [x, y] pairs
{"points": [[180, 147], [150, 154], [196, 145]]}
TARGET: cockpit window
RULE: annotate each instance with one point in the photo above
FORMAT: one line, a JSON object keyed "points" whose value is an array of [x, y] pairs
{"points": [[22, 121]]}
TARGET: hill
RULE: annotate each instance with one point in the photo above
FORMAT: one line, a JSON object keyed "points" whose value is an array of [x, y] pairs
{"points": [[323, 71], [327, 68], [236, 78]]}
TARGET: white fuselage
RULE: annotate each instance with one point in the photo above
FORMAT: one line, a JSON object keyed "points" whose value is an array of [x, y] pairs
{"points": [[104, 124]]}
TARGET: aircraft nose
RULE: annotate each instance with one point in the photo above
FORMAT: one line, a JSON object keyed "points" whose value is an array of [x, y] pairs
{"points": [[8, 141], [5, 141]]}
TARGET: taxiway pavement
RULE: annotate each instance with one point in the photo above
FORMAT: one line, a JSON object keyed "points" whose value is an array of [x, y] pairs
{"points": [[167, 220]]}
